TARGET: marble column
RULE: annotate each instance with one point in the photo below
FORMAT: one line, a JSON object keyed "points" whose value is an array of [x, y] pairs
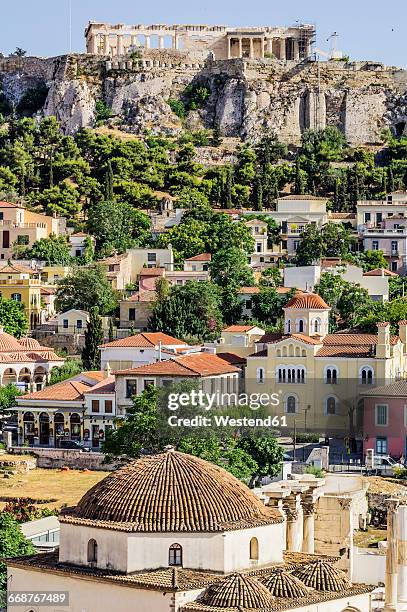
{"points": [[296, 50], [262, 47], [282, 49], [94, 44], [106, 44], [146, 42], [390, 602], [240, 47], [161, 42], [251, 52], [308, 508], [120, 48], [270, 46], [228, 43], [402, 557], [292, 527]]}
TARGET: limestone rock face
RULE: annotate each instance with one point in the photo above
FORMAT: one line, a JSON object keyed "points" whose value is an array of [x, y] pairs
{"points": [[248, 98]]}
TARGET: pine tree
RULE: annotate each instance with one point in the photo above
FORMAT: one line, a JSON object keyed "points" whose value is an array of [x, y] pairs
{"points": [[93, 339], [109, 194], [391, 181], [228, 188], [111, 331], [258, 204], [298, 183]]}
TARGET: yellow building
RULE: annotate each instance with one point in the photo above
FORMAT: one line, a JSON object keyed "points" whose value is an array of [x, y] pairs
{"points": [[18, 283], [22, 227], [319, 376]]}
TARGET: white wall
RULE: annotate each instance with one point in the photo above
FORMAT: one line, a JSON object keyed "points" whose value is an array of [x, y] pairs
{"points": [[271, 541], [112, 546], [302, 277], [369, 567]]}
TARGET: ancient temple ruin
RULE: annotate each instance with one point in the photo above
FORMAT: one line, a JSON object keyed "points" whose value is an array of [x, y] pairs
{"points": [[219, 42]]}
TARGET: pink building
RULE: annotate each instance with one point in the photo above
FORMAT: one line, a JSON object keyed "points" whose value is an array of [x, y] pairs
{"points": [[391, 238], [385, 419]]}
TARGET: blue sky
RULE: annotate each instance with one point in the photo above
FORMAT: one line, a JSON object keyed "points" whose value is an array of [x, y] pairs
{"points": [[367, 29]]}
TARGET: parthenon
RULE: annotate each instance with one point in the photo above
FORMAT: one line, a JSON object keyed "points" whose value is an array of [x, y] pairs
{"points": [[221, 42]]}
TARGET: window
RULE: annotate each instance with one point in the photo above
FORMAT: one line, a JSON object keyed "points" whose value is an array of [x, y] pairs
{"points": [[193, 267], [331, 376], [288, 326], [1, 216], [296, 244], [368, 217], [79, 323], [382, 414], [92, 551], [260, 375], [254, 549], [65, 323], [258, 247], [151, 257], [394, 266], [95, 406], [148, 383], [375, 245], [366, 376], [131, 388], [291, 375], [175, 555], [16, 297], [78, 253], [291, 404], [300, 325], [317, 326], [394, 247], [132, 314], [249, 304], [108, 406], [381, 445], [379, 218], [330, 405]]}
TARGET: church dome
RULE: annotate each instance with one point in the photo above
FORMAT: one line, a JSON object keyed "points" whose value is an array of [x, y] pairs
{"points": [[237, 591], [171, 492], [29, 343], [281, 583], [8, 343], [305, 301], [322, 576]]}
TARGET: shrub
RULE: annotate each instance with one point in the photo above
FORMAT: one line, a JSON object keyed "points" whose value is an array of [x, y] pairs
{"points": [[103, 112], [315, 471], [177, 107], [32, 100]]}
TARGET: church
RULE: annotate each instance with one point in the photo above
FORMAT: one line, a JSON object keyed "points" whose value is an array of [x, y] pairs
{"points": [[173, 533]]}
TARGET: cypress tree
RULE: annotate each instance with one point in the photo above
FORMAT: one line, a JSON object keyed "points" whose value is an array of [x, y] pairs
{"points": [[109, 194], [391, 181], [111, 331], [93, 339]]}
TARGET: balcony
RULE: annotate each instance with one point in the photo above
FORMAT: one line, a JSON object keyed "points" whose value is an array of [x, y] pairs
{"points": [[399, 231], [15, 225]]}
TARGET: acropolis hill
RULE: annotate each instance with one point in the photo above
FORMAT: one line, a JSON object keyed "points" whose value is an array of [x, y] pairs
{"points": [[260, 80]]}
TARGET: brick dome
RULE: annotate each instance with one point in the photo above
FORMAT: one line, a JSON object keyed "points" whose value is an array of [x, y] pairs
{"points": [[281, 583], [310, 301], [237, 591], [29, 343], [171, 492], [8, 343], [322, 576]]}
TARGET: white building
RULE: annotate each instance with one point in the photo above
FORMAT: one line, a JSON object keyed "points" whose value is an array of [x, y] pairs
{"points": [[173, 533]]}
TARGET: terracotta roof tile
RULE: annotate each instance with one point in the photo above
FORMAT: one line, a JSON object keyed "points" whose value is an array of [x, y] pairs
{"points": [[152, 272], [322, 576], [10, 205], [303, 197], [236, 591], [380, 272], [307, 300], [144, 340], [204, 498], [248, 290], [195, 364], [239, 328], [232, 358], [200, 257], [107, 385], [281, 583], [67, 390]]}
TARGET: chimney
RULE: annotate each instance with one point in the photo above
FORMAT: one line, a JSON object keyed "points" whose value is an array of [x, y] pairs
{"points": [[383, 341], [403, 333]]}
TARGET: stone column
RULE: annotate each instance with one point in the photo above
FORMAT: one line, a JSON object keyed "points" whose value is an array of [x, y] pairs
{"points": [[292, 523], [94, 44], [282, 49], [402, 557], [308, 508], [296, 50], [262, 47], [146, 42], [161, 42], [251, 52], [240, 47], [120, 48], [106, 44], [390, 602], [270, 45], [228, 43]]}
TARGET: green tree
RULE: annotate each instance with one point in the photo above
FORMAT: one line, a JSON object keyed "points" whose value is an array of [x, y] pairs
{"points": [[349, 302], [190, 311], [8, 395], [13, 318], [374, 259], [12, 544], [311, 248], [268, 305], [70, 368], [229, 267], [266, 452], [85, 288], [332, 240], [94, 337], [54, 250]]}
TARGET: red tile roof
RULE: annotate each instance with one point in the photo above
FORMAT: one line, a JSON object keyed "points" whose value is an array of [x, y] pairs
{"points": [[200, 257], [107, 385], [152, 272], [196, 364], [303, 197], [79, 235], [239, 328], [10, 205], [380, 272], [307, 300], [232, 358], [67, 390], [145, 340]]}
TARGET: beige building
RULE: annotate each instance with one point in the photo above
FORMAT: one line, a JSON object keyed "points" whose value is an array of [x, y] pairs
{"points": [[237, 339], [318, 375], [263, 256], [21, 284], [222, 42], [22, 227], [215, 547]]}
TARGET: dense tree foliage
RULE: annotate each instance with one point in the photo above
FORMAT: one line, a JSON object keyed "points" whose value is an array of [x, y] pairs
{"points": [[8, 395], [13, 318], [12, 544], [54, 250], [268, 305], [350, 303], [332, 240], [71, 367], [94, 337], [84, 288]]}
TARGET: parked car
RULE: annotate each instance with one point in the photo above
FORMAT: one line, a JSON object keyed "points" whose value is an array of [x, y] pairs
{"points": [[72, 444], [384, 465]]}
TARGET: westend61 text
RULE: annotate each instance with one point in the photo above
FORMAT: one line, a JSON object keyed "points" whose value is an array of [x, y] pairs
{"points": [[227, 421]]}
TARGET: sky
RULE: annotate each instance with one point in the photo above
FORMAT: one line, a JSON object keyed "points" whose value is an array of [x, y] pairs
{"points": [[367, 29]]}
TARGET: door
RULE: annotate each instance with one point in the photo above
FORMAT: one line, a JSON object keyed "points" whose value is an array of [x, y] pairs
{"points": [[95, 436], [6, 239]]}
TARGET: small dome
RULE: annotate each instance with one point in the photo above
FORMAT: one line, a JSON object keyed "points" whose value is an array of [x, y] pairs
{"points": [[172, 492], [311, 301], [29, 343], [237, 591], [322, 576], [281, 583], [8, 343]]}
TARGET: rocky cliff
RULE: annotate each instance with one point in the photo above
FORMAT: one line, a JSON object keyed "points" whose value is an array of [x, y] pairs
{"points": [[247, 97]]}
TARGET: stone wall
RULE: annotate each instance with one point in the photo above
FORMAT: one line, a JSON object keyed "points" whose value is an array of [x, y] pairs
{"points": [[248, 97], [57, 458], [334, 527]]}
